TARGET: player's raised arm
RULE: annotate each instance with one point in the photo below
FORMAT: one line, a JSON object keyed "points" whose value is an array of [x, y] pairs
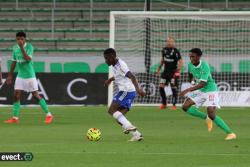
{"points": [[21, 38], [135, 83], [25, 55]]}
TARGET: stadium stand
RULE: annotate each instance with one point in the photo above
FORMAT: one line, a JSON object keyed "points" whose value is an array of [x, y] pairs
{"points": [[226, 67], [78, 29], [56, 68], [102, 68], [76, 67]]}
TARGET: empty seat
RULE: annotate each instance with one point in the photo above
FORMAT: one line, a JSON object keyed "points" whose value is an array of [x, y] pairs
{"points": [[212, 68], [183, 69], [226, 67], [76, 67], [154, 68], [39, 66], [56, 67], [244, 66], [102, 68]]}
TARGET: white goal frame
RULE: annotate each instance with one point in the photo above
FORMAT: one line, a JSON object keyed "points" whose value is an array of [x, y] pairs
{"points": [[180, 14]]}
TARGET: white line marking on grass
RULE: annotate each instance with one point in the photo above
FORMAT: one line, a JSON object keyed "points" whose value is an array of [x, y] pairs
{"points": [[147, 153]]}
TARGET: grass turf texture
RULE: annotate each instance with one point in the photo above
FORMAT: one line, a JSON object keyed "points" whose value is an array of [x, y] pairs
{"points": [[172, 138]]}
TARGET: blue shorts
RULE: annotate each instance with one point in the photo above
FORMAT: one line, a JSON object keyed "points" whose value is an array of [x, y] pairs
{"points": [[125, 99]]}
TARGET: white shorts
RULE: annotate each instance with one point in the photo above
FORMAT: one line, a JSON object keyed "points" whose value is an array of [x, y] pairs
{"points": [[204, 99], [27, 85]]}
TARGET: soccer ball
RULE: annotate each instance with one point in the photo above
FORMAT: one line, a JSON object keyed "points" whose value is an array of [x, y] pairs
{"points": [[93, 134]]}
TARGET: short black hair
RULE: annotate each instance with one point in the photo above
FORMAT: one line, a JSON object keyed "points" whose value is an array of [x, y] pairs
{"points": [[196, 51], [110, 51], [21, 34]]}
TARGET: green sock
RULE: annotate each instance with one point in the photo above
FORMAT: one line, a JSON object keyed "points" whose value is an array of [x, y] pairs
{"points": [[16, 109], [44, 106], [219, 122], [195, 112]]}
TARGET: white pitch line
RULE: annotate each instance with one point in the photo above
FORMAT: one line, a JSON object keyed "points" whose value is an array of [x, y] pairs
{"points": [[147, 153]]}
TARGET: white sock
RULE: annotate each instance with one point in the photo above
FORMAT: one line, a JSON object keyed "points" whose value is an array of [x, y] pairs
{"points": [[16, 118], [122, 119], [49, 114], [136, 133]]}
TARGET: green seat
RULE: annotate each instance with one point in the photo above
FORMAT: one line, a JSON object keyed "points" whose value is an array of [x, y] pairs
{"points": [[244, 66], [212, 68], [56, 67], [9, 62], [39, 66], [76, 67], [183, 69], [154, 68], [226, 67], [102, 68]]}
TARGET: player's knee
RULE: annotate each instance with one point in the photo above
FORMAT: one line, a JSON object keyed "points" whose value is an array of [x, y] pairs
{"points": [[17, 96], [37, 98], [36, 95], [184, 107], [211, 116], [111, 112]]}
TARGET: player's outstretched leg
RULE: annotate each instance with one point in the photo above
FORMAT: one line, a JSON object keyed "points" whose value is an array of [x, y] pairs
{"points": [[118, 113], [15, 108], [43, 105], [220, 123], [190, 109], [163, 96]]}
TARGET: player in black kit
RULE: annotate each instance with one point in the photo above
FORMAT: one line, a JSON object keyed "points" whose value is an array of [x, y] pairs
{"points": [[171, 58]]}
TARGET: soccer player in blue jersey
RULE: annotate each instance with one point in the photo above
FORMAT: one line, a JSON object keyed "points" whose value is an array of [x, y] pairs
{"points": [[128, 87]]}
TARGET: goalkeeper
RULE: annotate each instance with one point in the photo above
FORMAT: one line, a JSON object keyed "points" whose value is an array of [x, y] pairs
{"points": [[172, 61]]}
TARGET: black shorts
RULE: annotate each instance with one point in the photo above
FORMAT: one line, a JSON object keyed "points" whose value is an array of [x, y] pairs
{"points": [[168, 78]]}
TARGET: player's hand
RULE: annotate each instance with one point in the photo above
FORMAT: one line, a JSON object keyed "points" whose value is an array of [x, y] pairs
{"points": [[158, 72], [177, 74], [183, 93], [9, 80], [141, 93], [20, 43], [107, 82]]}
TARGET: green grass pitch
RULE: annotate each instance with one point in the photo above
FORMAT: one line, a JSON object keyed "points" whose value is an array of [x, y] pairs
{"points": [[172, 139]]}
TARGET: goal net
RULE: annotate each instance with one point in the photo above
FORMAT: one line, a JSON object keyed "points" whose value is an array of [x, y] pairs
{"points": [[224, 38]]}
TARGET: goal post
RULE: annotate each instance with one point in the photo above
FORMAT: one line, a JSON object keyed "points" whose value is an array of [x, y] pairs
{"points": [[223, 36]]}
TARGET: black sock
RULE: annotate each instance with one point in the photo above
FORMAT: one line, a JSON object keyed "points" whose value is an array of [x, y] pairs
{"points": [[163, 95], [174, 97]]}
